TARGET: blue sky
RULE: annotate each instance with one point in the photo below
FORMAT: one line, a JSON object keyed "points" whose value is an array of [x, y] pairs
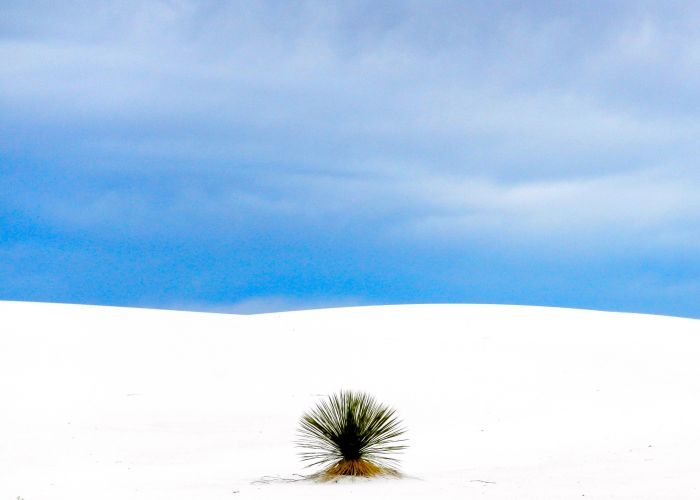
{"points": [[256, 156]]}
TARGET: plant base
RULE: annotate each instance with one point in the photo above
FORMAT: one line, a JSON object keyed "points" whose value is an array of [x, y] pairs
{"points": [[358, 468]]}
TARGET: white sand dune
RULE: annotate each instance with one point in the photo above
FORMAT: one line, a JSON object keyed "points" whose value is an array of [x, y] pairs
{"points": [[503, 402]]}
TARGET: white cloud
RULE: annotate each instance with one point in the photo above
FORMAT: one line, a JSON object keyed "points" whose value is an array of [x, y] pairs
{"points": [[446, 121], [268, 304], [276, 88], [656, 205]]}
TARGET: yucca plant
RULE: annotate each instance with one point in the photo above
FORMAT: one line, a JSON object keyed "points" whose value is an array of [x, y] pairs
{"points": [[351, 434]]}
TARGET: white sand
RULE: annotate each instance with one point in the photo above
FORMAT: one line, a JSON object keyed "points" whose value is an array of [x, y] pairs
{"points": [[500, 402]]}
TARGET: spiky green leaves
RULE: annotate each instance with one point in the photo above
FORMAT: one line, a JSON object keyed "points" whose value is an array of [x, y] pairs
{"points": [[350, 433]]}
